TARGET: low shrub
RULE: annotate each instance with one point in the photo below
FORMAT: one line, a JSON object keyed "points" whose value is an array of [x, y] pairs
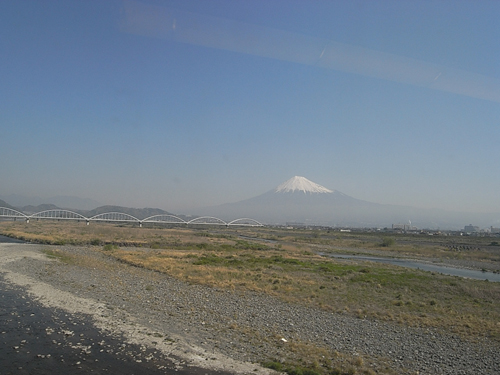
{"points": [[388, 242], [109, 247]]}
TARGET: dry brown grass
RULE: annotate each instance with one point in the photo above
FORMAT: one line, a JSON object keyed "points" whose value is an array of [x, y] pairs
{"points": [[288, 269], [419, 246], [367, 291], [78, 233]]}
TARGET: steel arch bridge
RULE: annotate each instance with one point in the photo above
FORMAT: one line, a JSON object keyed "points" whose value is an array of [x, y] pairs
{"points": [[120, 217]]}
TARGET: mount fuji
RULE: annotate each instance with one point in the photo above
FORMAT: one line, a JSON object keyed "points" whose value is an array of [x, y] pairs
{"points": [[298, 183], [303, 201]]}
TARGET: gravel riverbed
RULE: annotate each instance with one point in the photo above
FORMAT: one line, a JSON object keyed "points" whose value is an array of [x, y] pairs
{"points": [[228, 329]]}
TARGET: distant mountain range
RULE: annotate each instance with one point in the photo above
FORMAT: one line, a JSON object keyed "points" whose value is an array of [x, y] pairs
{"points": [[139, 213], [6, 205], [297, 200], [300, 200], [62, 201], [30, 209]]}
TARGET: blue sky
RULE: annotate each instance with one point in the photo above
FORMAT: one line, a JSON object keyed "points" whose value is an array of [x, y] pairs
{"points": [[181, 104]]}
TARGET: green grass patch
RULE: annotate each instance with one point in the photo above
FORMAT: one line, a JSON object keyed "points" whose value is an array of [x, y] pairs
{"points": [[57, 254], [290, 369], [109, 247], [388, 242]]}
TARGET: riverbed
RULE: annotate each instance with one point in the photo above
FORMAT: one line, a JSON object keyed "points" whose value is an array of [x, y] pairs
{"points": [[424, 266], [194, 327], [39, 340]]}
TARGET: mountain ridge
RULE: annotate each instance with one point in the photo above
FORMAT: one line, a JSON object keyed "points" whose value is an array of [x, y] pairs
{"points": [[139, 213], [322, 206], [66, 201]]}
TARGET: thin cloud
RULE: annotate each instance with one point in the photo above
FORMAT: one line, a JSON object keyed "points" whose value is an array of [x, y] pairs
{"points": [[212, 32]]}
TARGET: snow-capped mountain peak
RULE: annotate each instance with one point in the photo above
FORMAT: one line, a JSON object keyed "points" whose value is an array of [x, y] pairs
{"points": [[299, 183]]}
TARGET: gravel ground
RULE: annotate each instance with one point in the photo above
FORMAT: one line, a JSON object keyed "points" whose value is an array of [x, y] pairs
{"points": [[245, 327], [42, 340]]}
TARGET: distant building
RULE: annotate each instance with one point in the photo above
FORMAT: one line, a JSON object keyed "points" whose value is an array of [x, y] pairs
{"points": [[471, 228], [292, 224], [495, 230], [403, 227]]}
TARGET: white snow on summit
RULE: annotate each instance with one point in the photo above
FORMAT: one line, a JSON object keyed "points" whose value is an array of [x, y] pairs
{"points": [[301, 184]]}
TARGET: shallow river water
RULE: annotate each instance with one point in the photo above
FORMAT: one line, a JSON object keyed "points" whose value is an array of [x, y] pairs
{"points": [[462, 272], [38, 340]]}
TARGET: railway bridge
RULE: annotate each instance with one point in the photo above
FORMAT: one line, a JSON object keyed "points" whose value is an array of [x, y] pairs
{"points": [[120, 217]]}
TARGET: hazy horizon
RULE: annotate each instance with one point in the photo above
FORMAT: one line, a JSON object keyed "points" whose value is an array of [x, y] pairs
{"points": [[184, 104]]}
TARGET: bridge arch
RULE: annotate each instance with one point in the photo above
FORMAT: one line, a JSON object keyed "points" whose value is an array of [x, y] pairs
{"points": [[164, 219], [207, 220], [58, 214], [9, 212], [245, 221], [115, 216]]}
